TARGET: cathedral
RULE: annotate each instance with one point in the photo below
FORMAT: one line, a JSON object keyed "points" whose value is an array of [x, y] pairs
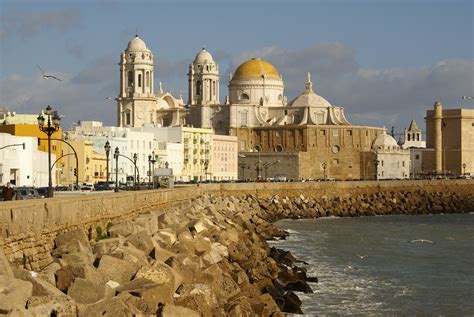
{"points": [[307, 132]]}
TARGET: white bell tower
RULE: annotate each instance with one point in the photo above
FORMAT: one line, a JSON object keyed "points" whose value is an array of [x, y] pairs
{"points": [[203, 78], [136, 82]]}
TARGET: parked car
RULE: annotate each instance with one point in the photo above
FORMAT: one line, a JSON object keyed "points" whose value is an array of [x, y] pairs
{"points": [[42, 191], [23, 193]]}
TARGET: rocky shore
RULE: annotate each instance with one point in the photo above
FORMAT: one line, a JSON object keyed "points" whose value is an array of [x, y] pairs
{"points": [[209, 257]]}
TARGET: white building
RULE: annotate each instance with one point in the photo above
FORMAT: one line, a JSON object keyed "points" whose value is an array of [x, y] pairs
{"points": [[171, 157], [129, 142], [413, 141], [391, 161], [224, 157], [196, 148], [24, 165]]}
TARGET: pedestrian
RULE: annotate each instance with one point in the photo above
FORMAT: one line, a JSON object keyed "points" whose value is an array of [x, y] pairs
{"points": [[8, 192]]}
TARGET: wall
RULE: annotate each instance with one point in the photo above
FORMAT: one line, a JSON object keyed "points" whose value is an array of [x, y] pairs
{"points": [[28, 228]]}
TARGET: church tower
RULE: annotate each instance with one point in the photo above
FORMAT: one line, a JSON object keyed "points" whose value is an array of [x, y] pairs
{"points": [[203, 78], [136, 84]]}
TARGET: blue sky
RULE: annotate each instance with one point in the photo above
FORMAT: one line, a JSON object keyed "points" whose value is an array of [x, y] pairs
{"points": [[384, 61]]}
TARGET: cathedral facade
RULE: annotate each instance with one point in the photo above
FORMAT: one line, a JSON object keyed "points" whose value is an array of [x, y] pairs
{"points": [[315, 134]]}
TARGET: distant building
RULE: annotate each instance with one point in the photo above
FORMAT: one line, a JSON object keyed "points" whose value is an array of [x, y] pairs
{"points": [[224, 151], [196, 148], [450, 132], [27, 125], [23, 166], [128, 141], [391, 161], [413, 141]]}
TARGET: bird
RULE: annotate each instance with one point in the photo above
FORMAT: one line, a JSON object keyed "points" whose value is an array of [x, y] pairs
{"points": [[361, 256], [109, 98], [421, 241], [47, 76]]}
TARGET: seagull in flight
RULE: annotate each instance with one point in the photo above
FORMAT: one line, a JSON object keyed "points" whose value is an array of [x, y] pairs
{"points": [[47, 76], [421, 241], [361, 256]]}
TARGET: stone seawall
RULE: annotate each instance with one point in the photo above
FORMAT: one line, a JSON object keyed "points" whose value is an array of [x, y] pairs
{"points": [[28, 228]]}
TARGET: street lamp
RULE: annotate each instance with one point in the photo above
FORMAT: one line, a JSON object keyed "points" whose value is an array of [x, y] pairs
{"points": [[267, 165], [325, 166], [49, 127], [151, 160], [376, 163], [464, 168], [135, 157], [107, 152], [116, 157]]}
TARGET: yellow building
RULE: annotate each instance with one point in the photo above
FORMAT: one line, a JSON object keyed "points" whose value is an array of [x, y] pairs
{"points": [[27, 125], [91, 167]]}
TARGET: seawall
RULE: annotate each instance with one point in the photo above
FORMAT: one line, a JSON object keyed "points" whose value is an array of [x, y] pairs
{"points": [[28, 228]]}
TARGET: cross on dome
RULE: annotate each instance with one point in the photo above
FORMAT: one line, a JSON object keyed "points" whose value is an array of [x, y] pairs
{"points": [[309, 85]]}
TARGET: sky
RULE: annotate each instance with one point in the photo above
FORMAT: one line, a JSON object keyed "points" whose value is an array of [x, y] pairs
{"points": [[386, 62]]}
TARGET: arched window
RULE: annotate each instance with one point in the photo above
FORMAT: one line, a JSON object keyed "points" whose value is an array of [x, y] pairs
{"points": [[409, 137], [245, 97], [198, 88], [130, 78], [418, 137], [214, 88], [280, 97], [147, 79], [139, 80]]}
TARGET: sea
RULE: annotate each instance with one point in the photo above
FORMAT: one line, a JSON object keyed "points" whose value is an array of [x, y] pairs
{"points": [[386, 265]]}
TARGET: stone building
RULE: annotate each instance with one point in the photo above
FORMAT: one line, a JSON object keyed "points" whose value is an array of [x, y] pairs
{"points": [[256, 111], [450, 132]]}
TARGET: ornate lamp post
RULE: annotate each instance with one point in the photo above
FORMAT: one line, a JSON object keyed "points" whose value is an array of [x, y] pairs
{"points": [[49, 126], [325, 166], [107, 152], [135, 157], [151, 167], [464, 168], [149, 171], [116, 157]]}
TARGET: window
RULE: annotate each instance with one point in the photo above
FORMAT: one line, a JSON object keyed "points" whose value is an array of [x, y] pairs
{"points": [[382, 163], [349, 132], [243, 118], [243, 145], [127, 118], [198, 88], [245, 97], [322, 132], [403, 163], [335, 132], [130, 78], [335, 161], [147, 79], [139, 80], [417, 156], [409, 137]]}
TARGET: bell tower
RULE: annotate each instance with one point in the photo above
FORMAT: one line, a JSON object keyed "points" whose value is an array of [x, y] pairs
{"points": [[136, 82], [203, 80]]}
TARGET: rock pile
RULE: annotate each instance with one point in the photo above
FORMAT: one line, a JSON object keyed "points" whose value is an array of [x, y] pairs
{"points": [[209, 258]]}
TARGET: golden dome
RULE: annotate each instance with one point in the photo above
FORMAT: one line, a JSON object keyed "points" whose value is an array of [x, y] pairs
{"points": [[255, 68]]}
